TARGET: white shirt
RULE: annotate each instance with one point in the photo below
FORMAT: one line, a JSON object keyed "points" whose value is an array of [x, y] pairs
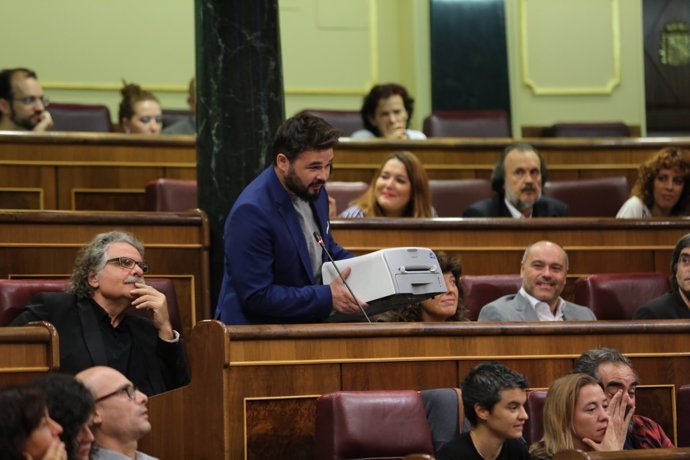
{"points": [[514, 211], [542, 309]]}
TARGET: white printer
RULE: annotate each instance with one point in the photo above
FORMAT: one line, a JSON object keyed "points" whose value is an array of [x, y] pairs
{"points": [[388, 278]]}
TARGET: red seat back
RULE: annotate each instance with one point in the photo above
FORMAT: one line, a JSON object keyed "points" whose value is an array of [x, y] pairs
{"points": [[346, 121], [616, 296], [451, 197], [482, 289], [80, 117], [477, 123], [601, 197], [344, 192], [683, 415], [172, 195], [16, 293], [372, 425], [534, 426]]}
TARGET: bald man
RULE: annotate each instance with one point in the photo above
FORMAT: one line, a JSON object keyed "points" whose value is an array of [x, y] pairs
{"points": [[120, 416], [543, 271]]}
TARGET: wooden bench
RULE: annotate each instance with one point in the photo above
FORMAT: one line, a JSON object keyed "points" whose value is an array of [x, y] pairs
{"points": [[641, 454], [254, 388], [108, 171], [27, 352], [44, 244]]}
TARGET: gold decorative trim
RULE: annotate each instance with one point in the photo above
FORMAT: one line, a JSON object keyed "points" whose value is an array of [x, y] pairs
{"points": [[606, 89]]}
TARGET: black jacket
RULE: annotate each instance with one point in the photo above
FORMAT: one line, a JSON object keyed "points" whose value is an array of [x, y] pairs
{"points": [[496, 207]]}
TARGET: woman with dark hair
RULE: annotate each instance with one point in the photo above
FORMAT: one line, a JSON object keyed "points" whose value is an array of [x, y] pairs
{"points": [[140, 112], [443, 307], [386, 113], [400, 188], [577, 416], [661, 188], [26, 429], [71, 405]]}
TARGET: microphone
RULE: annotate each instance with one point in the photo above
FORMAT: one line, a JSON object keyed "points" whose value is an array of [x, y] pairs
{"points": [[320, 242]]}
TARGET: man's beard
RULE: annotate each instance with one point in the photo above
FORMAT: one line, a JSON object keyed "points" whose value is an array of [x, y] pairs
{"points": [[293, 183], [519, 204], [26, 123]]}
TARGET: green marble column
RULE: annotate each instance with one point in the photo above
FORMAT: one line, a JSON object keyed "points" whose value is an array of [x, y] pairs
{"points": [[240, 105]]}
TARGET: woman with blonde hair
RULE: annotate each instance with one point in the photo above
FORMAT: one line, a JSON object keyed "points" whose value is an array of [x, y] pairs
{"points": [[400, 188], [661, 188], [577, 416], [139, 112]]}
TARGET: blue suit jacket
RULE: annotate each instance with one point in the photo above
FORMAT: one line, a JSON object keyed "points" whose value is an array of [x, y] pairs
{"points": [[268, 276]]}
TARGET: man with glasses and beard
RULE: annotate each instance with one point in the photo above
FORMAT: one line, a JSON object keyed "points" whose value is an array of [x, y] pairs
{"points": [[22, 103], [517, 179], [272, 259], [92, 320]]}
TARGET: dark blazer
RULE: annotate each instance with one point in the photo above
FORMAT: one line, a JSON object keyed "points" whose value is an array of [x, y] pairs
{"points": [[496, 207], [268, 275], [81, 342], [667, 306]]}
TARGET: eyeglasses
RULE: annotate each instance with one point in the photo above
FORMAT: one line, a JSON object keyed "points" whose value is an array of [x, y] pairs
{"points": [[129, 389], [31, 100], [126, 262]]}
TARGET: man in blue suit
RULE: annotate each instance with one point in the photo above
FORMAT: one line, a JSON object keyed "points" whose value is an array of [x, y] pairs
{"points": [[272, 260]]}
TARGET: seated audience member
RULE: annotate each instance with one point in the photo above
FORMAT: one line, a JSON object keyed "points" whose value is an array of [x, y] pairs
{"points": [[543, 270], [443, 307], [71, 405], [494, 398], [399, 189], [22, 103], [386, 113], [578, 415], [92, 320], [140, 112], [675, 304], [26, 430], [120, 418], [615, 372], [186, 125], [517, 179], [660, 189]]}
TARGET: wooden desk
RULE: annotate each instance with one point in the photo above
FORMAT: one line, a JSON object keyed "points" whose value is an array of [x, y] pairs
{"points": [[494, 246], [253, 388], [108, 171], [42, 244], [27, 352], [641, 454], [88, 171]]}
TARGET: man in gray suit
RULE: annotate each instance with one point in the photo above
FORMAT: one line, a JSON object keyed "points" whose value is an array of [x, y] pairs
{"points": [[543, 271]]}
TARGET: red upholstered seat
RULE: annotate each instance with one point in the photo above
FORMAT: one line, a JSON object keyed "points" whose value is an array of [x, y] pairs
{"points": [[616, 296], [16, 293], [80, 117], [344, 192], [173, 195], [347, 121], [605, 129], [477, 123], [172, 116], [450, 197], [601, 197], [483, 289], [371, 425], [534, 426], [683, 415]]}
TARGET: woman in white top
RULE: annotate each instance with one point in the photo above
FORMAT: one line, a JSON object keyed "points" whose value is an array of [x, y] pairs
{"points": [[661, 188], [400, 188], [386, 113]]}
